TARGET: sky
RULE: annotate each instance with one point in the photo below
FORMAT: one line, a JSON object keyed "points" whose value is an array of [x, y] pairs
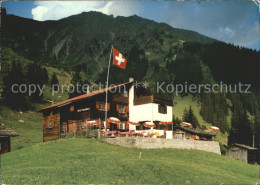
{"points": [[236, 22]]}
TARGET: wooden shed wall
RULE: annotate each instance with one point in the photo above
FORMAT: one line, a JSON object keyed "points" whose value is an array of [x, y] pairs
{"points": [[5, 143], [237, 153], [54, 132], [186, 134]]}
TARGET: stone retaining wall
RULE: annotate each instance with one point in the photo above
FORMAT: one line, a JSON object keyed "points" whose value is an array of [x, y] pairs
{"points": [[149, 143]]}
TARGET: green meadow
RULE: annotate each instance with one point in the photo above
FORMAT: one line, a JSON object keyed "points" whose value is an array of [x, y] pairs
{"points": [[92, 161], [27, 124]]}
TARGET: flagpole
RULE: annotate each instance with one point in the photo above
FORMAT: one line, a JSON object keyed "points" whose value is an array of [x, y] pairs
{"points": [[105, 125]]}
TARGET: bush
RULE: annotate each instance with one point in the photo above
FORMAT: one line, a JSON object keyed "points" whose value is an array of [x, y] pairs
{"points": [[223, 148], [203, 127], [92, 133]]}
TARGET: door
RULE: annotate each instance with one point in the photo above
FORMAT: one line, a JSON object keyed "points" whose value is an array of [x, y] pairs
{"points": [[113, 126]]}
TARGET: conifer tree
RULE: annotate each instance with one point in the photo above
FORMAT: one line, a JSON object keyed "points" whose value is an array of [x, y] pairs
{"points": [[54, 82], [192, 118], [241, 130], [45, 76], [214, 109], [13, 97], [78, 81], [189, 116], [34, 76], [185, 116], [176, 121]]}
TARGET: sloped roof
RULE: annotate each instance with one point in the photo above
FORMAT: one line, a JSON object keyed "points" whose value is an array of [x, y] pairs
{"points": [[195, 131], [6, 131], [84, 96], [245, 146]]}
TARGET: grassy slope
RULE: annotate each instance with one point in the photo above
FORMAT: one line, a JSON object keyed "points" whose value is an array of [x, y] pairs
{"points": [[85, 161], [64, 79], [28, 125]]}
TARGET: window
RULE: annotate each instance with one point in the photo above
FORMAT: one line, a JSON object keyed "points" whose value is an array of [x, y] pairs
{"points": [[101, 106], [121, 109], [102, 125], [122, 126], [94, 127], [162, 109], [125, 94], [50, 124]]}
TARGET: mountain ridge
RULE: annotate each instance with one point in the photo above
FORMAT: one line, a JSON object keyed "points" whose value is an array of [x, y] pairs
{"points": [[58, 40]]}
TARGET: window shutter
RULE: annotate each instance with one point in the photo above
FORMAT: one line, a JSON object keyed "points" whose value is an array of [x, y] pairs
{"points": [[127, 109], [70, 127], [97, 105], [53, 124], [47, 124], [108, 106], [127, 126], [118, 126], [64, 127], [72, 108], [117, 107]]}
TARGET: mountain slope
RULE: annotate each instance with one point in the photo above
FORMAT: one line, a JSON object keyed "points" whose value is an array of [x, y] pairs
{"points": [[83, 41], [90, 161]]}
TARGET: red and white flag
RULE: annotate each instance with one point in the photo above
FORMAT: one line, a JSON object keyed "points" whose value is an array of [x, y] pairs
{"points": [[118, 59]]}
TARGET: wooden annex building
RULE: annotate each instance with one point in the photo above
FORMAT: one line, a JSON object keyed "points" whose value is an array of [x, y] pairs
{"points": [[181, 132], [5, 138], [242, 152], [125, 102]]}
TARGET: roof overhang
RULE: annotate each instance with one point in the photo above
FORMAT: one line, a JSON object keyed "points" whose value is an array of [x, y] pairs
{"points": [[195, 131], [244, 146], [85, 96]]}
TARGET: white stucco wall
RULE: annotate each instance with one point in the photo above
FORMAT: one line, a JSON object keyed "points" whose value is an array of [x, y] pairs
{"points": [[149, 112], [146, 112]]}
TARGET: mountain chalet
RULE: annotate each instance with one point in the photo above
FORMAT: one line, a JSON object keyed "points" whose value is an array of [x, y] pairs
{"points": [[130, 108]]}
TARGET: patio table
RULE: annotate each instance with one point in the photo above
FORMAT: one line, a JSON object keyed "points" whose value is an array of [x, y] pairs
{"points": [[138, 134], [112, 132], [124, 133]]}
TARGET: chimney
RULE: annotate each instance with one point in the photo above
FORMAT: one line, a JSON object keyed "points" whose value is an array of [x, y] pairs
{"points": [[131, 100], [88, 90]]}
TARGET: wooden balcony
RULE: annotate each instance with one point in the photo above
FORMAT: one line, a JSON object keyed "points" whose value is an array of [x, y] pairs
{"points": [[152, 99]]}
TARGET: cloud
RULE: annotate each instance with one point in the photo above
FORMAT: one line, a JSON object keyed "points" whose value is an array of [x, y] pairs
{"points": [[226, 31], [54, 10], [231, 21], [248, 35]]}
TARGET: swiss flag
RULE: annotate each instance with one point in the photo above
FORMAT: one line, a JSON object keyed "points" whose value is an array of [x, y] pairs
{"points": [[118, 59]]}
